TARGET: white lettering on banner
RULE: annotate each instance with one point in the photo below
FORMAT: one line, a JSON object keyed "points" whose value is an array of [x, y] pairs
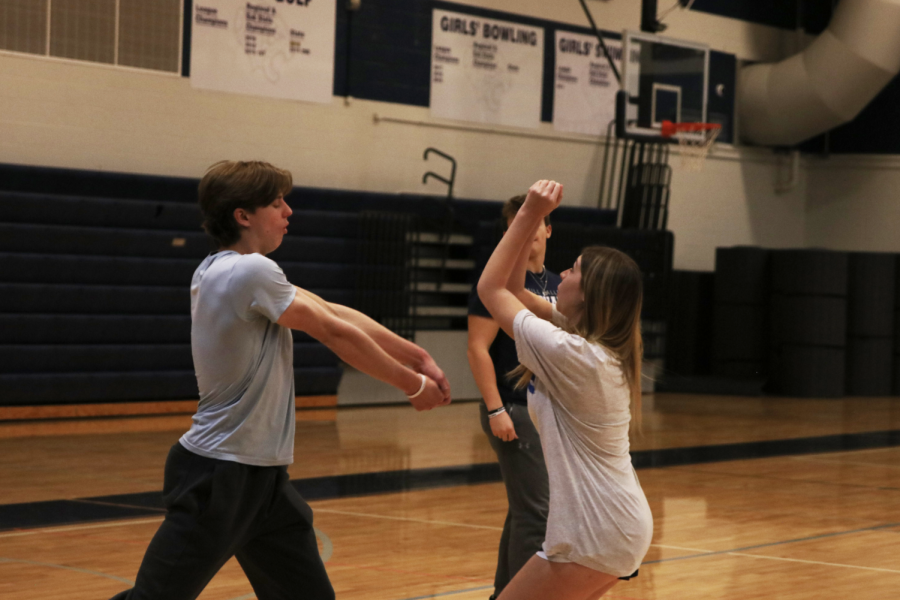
{"points": [[265, 48], [486, 70], [584, 99]]}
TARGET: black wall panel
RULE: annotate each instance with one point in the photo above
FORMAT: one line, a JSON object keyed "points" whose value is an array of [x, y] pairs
{"points": [[389, 51], [720, 103], [690, 323], [876, 130], [811, 15]]}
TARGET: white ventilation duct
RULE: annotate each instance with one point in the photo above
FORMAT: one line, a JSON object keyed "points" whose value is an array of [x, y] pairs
{"points": [[829, 83]]}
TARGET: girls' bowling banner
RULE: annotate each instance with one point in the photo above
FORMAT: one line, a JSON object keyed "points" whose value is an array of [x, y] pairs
{"points": [[486, 70]]}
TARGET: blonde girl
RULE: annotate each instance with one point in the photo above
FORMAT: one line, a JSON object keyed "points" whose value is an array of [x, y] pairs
{"points": [[581, 361]]}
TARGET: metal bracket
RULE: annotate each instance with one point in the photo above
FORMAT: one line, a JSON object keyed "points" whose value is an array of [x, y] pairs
{"points": [[449, 213]]}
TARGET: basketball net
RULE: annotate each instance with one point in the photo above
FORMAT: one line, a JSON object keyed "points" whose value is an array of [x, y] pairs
{"points": [[694, 148]]}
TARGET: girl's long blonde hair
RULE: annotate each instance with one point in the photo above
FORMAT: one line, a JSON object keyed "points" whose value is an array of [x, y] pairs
{"points": [[613, 294]]}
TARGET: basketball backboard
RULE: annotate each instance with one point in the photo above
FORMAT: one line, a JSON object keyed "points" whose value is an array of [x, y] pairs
{"points": [[663, 79]]}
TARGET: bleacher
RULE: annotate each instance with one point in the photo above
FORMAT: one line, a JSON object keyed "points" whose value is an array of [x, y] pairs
{"points": [[95, 271]]}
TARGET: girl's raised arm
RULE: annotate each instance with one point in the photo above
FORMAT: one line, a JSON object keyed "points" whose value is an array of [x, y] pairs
{"points": [[493, 287]]}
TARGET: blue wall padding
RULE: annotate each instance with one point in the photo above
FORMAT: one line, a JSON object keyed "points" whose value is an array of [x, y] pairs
{"points": [[74, 358], [94, 281], [93, 299], [58, 239], [62, 388]]}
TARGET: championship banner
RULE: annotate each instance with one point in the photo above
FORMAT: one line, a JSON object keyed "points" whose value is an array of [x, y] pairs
{"points": [[584, 99], [486, 70], [275, 48]]}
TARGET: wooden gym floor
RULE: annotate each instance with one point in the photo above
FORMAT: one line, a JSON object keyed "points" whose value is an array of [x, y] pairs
{"points": [[818, 516]]}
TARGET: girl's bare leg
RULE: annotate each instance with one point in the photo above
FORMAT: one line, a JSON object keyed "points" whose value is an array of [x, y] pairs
{"points": [[541, 579]]}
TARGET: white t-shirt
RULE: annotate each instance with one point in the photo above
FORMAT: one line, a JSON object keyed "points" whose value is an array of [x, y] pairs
{"points": [[244, 361], [580, 402]]}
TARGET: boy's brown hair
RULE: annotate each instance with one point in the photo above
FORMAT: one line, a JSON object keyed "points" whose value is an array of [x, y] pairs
{"points": [[512, 206], [229, 185]]}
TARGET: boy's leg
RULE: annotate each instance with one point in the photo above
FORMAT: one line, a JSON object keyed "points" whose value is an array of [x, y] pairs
{"points": [[205, 520], [281, 559], [178, 563], [527, 489], [501, 574]]}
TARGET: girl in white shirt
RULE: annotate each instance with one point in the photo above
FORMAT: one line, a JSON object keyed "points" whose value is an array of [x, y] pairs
{"points": [[582, 364]]}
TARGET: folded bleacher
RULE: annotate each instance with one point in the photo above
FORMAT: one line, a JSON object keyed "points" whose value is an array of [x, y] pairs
{"points": [[95, 271]]}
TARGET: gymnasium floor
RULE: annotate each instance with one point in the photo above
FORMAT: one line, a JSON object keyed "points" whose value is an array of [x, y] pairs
{"points": [[409, 508]]}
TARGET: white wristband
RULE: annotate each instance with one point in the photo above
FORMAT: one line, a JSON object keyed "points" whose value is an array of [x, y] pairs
{"points": [[496, 413], [421, 387]]}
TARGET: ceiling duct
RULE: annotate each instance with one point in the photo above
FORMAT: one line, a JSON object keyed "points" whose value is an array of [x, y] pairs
{"points": [[829, 83]]}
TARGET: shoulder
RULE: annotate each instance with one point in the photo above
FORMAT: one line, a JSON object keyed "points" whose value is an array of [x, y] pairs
{"points": [[529, 326], [554, 278], [602, 354], [254, 267], [550, 335], [591, 352], [255, 261]]}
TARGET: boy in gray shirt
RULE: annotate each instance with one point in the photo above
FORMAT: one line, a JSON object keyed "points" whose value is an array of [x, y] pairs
{"points": [[226, 486]]}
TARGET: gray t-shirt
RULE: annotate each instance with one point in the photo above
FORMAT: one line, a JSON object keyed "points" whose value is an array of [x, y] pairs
{"points": [[580, 402], [244, 361]]}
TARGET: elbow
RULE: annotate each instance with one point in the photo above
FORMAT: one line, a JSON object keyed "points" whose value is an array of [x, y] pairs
{"points": [[329, 332]]}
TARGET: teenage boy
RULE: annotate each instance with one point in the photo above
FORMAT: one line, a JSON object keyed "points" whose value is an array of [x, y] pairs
{"points": [[226, 486], [504, 415]]}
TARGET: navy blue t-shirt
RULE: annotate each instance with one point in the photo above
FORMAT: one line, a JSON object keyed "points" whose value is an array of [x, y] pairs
{"points": [[503, 350]]}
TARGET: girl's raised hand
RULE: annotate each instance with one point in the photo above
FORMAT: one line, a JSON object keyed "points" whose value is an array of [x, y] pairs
{"points": [[544, 196]]}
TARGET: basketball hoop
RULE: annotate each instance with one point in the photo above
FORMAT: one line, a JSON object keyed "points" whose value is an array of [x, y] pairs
{"points": [[696, 145]]}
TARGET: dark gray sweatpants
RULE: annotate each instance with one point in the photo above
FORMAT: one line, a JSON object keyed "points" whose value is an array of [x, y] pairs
{"points": [[217, 509], [527, 490]]}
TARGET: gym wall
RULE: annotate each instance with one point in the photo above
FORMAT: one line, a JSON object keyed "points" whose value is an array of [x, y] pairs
{"points": [[81, 115]]}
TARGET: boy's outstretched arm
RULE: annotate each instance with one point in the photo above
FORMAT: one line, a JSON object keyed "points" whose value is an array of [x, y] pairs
{"points": [[355, 347]]}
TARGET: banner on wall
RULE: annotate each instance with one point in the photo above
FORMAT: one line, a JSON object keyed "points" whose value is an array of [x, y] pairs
{"points": [[584, 98], [486, 70], [275, 48]]}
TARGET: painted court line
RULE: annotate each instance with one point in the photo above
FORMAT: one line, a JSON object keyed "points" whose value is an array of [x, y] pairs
{"points": [[781, 543], [450, 523], [845, 462], [481, 589], [667, 547], [65, 568], [453, 593], [426, 521], [861, 451], [814, 562], [78, 527]]}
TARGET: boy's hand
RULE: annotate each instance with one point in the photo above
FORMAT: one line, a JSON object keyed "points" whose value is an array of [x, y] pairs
{"points": [[544, 196], [431, 397], [430, 369]]}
